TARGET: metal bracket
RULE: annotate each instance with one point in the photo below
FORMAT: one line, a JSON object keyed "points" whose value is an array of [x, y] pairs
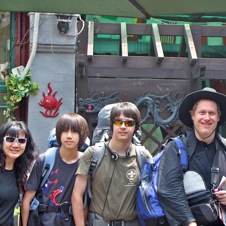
{"points": [[199, 72], [81, 69]]}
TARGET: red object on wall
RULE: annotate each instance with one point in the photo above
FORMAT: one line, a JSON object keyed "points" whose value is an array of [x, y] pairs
{"points": [[219, 85], [204, 40], [50, 103]]}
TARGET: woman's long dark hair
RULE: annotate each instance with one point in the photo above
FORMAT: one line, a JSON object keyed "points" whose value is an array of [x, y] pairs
{"points": [[23, 163]]}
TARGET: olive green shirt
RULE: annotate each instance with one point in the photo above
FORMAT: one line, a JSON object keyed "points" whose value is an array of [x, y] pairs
{"points": [[114, 186]]}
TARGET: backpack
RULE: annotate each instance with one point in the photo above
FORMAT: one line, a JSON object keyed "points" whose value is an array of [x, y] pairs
{"points": [[52, 141], [148, 205], [102, 131]]}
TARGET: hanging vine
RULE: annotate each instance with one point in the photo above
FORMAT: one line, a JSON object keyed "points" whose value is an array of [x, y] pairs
{"points": [[17, 88]]}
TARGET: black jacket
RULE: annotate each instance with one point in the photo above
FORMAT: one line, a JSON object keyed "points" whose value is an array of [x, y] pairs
{"points": [[170, 185]]}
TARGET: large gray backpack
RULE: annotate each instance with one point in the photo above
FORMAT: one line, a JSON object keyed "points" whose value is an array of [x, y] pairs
{"points": [[102, 131]]}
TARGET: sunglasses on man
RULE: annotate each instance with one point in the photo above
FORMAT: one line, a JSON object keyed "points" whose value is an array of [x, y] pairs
{"points": [[127, 123]]}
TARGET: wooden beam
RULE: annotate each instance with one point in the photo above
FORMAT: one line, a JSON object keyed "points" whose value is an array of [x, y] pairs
{"points": [[157, 44], [190, 44], [137, 67], [90, 40], [124, 42]]}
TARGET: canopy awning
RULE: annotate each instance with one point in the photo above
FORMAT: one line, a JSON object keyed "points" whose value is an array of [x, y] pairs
{"points": [[122, 8]]}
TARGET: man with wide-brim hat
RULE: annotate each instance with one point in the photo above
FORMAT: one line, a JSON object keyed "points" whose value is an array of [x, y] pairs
{"points": [[203, 111], [192, 98]]}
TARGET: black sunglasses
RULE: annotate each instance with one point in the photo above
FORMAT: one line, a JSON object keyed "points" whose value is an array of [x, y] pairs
{"points": [[127, 123], [20, 140]]}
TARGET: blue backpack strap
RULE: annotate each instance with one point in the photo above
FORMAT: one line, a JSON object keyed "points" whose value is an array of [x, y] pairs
{"points": [[141, 156], [49, 161], [182, 152]]}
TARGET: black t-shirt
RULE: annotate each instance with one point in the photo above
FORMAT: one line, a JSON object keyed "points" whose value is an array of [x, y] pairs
{"points": [[8, 195], [202, 161], [57, 190]]}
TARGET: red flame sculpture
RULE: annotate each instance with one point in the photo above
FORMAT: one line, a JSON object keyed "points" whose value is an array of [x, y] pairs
{"points": [[50, 103]]}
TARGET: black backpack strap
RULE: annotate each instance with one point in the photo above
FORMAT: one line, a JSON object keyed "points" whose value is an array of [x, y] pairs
{"points": [[98, 154], [215, 171]]}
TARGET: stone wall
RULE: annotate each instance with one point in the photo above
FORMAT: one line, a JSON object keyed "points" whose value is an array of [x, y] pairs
{"points": [[54, 63]]}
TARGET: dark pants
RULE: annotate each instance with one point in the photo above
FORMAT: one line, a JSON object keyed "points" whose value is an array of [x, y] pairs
{"points": [[164, 222], [157, 222], [97, 220], [7, 224], [216, 223]]}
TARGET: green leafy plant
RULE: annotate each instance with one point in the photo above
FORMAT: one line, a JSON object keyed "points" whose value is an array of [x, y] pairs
{"points": [[18, 88]]}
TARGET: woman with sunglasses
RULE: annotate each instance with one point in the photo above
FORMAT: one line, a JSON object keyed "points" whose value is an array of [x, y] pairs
{"points": [[116, 178], [17, 153]]}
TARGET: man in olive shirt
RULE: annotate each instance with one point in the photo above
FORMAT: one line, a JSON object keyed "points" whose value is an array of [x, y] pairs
{"points": [[115, 182]]}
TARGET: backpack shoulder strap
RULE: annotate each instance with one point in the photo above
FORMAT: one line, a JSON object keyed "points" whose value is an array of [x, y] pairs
{"points": [[98, 154], [215, 171], [182, 153], [141, 155], [49, 160]]}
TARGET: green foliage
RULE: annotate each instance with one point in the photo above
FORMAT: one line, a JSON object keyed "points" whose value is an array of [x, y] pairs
{"points": [[17, 88]]}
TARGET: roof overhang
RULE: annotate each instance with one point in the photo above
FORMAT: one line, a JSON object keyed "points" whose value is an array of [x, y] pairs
{"points": [[122, 8]]}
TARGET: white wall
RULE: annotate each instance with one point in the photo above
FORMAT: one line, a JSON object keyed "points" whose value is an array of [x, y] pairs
{"points": [[54, 62]]}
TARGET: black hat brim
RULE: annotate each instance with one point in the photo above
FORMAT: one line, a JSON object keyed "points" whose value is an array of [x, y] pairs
{"points": [[192, 98]]}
